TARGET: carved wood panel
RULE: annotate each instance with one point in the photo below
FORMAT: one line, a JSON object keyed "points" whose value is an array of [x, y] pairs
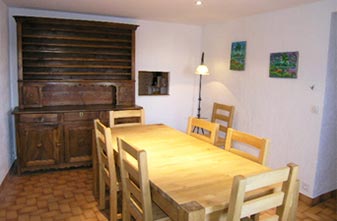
{"points": [[40, 145], [78, 142]]}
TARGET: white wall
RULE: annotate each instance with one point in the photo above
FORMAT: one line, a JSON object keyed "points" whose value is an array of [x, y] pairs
{"points": [[280, 109], [176, 49], [5, 111], [326, 174]]}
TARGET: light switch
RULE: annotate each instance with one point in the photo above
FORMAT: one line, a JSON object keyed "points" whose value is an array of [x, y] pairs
{"points": [[315, 109]]}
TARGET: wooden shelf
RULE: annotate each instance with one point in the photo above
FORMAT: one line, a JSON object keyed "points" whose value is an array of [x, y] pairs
{"points": [[56, 37], [56, 51], [52, 48]]}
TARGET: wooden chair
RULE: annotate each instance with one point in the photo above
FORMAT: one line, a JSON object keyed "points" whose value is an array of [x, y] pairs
{"points": [[137, 202], [281, 198], [209, 131], [256, 143], [126, 118], [106, 169], [223, 115]]}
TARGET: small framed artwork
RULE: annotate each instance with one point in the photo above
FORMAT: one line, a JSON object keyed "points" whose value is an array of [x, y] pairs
{"points": [[238, 56], [283, 65]]}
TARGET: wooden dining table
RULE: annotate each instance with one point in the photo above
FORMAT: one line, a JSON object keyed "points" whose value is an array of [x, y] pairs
{"points": [[190, 179]]}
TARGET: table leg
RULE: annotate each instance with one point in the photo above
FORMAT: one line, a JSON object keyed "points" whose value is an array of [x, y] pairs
{"points": [[191, 211]]}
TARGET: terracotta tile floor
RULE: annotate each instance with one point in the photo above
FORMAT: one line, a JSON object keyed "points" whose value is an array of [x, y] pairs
{"points": [[62, 195], [67, 195]]}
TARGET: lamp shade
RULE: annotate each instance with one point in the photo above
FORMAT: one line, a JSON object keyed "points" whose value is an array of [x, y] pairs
{"points": [[202, 70]]}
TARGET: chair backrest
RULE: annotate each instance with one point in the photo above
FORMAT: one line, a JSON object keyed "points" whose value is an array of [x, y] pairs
{"points": [[256, 143], [136, 186], [223, 115], [203, 129], [126, 118], [280, 198], [106, 166]]}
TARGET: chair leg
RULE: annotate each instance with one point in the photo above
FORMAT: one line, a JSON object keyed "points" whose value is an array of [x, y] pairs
{"points": [[126, 214], [94, 165], [101, 201], [113, 205]]}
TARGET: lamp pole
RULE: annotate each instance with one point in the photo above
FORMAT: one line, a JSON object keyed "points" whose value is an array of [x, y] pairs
{"points": [[201, 71], [199, 99]]}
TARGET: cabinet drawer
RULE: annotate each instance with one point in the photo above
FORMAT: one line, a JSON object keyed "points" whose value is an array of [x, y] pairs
{"points": [[79, 116], [38, 118]]}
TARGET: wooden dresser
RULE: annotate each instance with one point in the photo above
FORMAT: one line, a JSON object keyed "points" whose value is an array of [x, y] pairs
{"points": [[69, 73]]}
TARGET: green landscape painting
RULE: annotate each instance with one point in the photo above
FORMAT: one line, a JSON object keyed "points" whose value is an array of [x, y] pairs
{"points": [[238, 56], [283, 65]]}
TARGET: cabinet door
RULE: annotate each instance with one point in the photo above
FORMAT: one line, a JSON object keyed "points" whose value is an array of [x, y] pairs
{"points": [[39, 145], [78, 142]]}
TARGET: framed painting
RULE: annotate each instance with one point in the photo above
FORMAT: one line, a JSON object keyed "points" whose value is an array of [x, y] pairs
{"points": [[238, 56], [283, 65]]}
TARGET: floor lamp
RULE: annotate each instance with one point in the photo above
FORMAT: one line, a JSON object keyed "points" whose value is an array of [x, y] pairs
{"points": [[201, 70]]}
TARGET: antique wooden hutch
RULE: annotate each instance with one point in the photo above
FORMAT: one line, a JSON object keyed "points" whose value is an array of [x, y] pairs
{"points": [[69, 73]]}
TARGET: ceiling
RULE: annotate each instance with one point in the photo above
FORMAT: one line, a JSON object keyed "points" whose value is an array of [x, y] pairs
{"points": [[177, 11]]}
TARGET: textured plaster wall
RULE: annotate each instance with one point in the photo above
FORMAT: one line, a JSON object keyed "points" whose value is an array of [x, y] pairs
{"points": [[175, 49], [5, 112], [287, 111], [326, 174]]}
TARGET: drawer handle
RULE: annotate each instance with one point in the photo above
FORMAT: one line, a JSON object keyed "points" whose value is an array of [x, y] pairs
{"points": [[39, 146], [41, 119], [81, 114]]}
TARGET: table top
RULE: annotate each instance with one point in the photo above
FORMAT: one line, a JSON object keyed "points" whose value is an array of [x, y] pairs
{"points": [[185, 168]]}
